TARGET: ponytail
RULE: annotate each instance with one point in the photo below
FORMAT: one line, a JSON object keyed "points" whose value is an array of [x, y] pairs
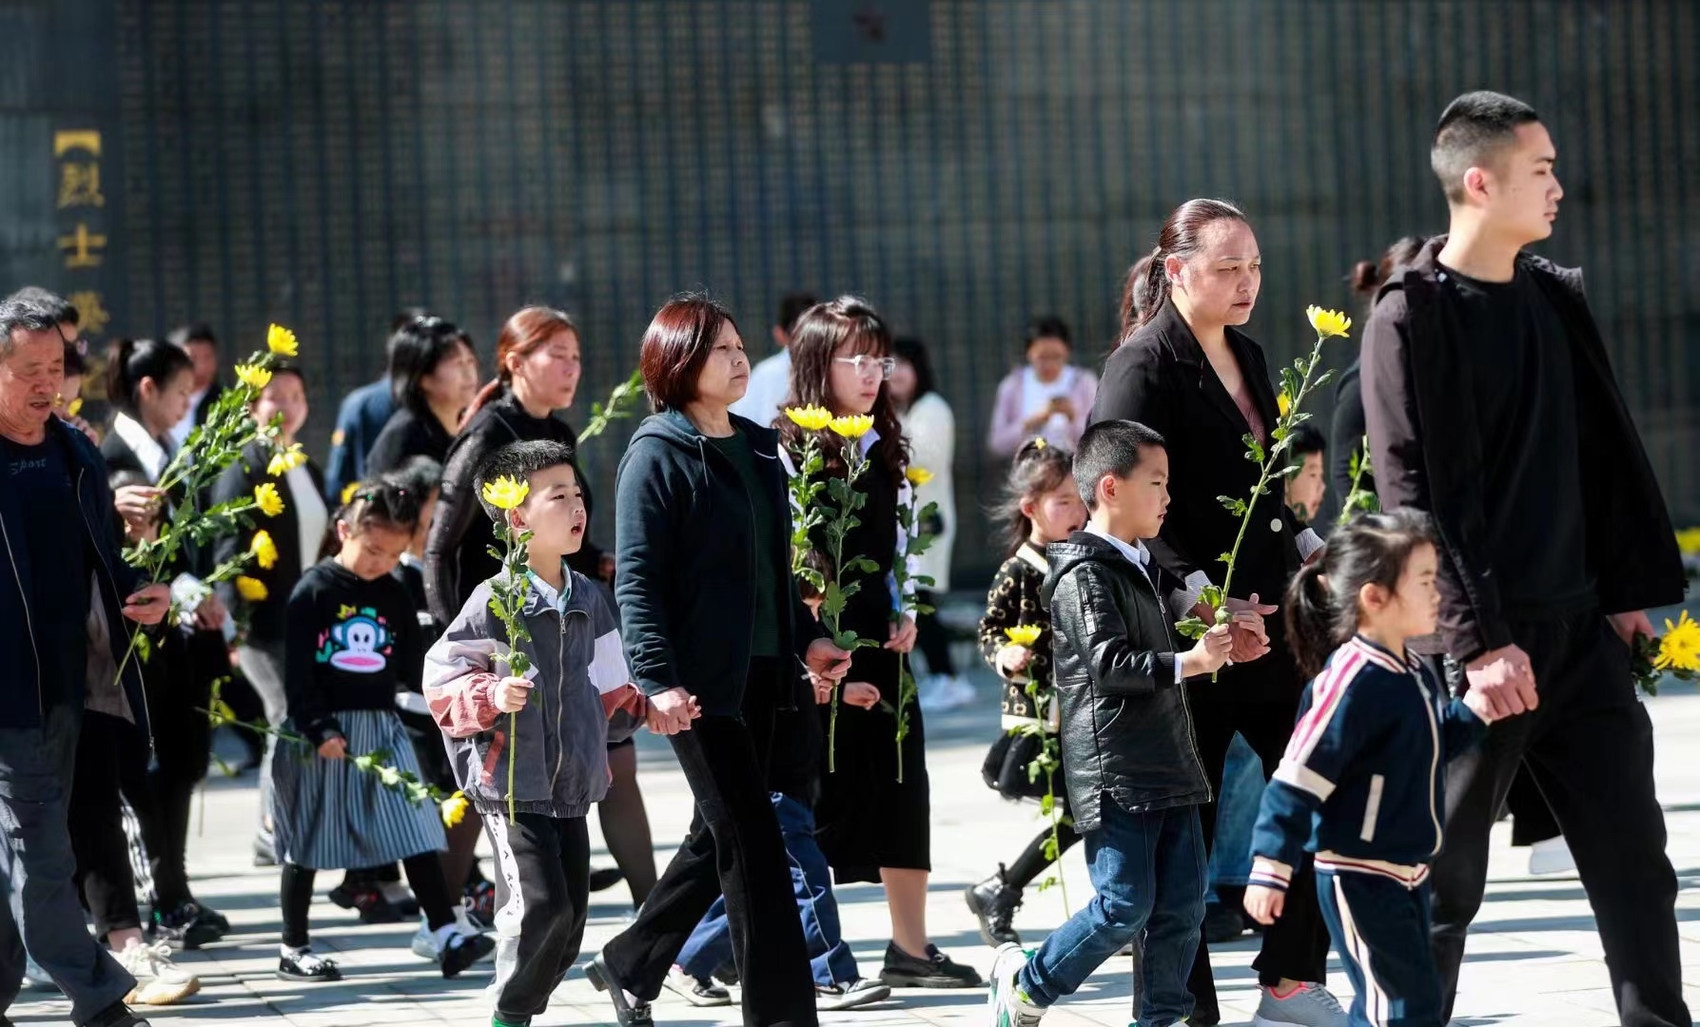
{"points": [[128, 361], [1309, 606], [1038, 468], [1155, 286], [1180, 237], [527, 330]]}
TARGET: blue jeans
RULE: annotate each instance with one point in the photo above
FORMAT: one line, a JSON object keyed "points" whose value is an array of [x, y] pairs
{"points": [[1236, 816], [1149, 872], [710, 945]]}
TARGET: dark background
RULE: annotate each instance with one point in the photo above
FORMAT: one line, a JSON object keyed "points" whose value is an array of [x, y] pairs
{"points": [[963, 164]]}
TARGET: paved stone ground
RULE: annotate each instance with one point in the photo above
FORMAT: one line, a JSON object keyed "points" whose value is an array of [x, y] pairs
{"points": [[1533, 955]]}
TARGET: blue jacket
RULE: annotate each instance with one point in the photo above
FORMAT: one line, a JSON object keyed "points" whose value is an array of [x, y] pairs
{"points": [[363, 414], [1361, 781], [20, 670]]}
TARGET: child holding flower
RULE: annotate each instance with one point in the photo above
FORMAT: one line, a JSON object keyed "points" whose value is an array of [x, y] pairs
{"points": [[351, 636], [1041, 505]]}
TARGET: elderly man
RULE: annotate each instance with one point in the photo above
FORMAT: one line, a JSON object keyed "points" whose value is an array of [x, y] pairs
{"points": [[55, 538]]}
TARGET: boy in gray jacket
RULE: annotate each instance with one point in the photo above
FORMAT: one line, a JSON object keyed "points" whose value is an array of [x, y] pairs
{"points": [[558, 729]]}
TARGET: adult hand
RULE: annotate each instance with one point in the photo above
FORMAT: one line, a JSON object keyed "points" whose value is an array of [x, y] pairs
{"points": [[1248, 639], [902, 635], [1506, 680], [333, 748], [137, 504], [511, 694], [148, 605], [1012, 659], [1063, 405], [1253, 606], [209, 615], [672, 711], [861, 695], [827, 660], [1264, 904], [1628, 625]]}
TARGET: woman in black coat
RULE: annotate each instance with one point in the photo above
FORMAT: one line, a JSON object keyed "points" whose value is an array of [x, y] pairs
{"points": [[1187, 372], [434, 373], [714, 628]]}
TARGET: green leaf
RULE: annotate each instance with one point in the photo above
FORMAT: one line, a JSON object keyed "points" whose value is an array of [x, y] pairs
{"points": [[1191, 627]]}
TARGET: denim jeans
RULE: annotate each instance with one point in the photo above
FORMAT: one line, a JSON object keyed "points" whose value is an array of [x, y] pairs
{"points": [[1149, 870], [710, 945], [1236, 816]]}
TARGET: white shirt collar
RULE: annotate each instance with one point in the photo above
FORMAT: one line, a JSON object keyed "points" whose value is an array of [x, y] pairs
{"points": [[147, 448], [1136, 553]]}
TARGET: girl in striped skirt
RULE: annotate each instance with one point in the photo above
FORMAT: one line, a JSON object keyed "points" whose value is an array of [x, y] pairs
{"points": [[352, 638]]}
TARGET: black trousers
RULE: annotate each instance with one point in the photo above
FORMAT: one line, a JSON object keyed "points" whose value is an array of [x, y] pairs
{"points": [[542, 897], [735, 847], [1589, 747], [1250, 700], [178, 680], [111, 762]]}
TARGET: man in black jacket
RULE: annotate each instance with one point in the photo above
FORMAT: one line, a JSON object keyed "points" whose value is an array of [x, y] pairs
{"points": [[1489, 397]]}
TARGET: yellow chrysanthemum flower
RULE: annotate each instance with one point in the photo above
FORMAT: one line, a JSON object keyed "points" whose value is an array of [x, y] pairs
{"points": [[812, 418], [852, 426], [254, 377], [74, 407], [1687, 540], [1024, 634], [348, 492], [918, 476], [285, 460], [505, 493], [267, 499], [281, 341], [1328, 323], [251, 589], [264, 549], [1283, 403], [1679, 649], [454, 809]]}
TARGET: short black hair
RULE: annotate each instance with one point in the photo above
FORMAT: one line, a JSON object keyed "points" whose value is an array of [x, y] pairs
{"points": [[791, 307], [1307, 439], [1472, 131], [519, 461], [195, 331], [1115, 448], [62, 309], [1047, 326]]}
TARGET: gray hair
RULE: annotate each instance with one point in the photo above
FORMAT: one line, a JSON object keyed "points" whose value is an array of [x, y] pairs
{"points": [[31, 309]]}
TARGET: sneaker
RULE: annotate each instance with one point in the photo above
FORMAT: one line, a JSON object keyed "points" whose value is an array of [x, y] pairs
{"points": [[859, 992], [400, 899], [460, 950], [303, 964], [480, 900], [960, 689], [934, 971], [698, 991], [1009, 1007], [264, 854], [1221, 924], [158, 981], [1551, 856], [629, 1010], [605, 878], [994, 902], [218, 921], [185, 926], [428, 944], [727, 973], [370, 903], [1308, 1005]]}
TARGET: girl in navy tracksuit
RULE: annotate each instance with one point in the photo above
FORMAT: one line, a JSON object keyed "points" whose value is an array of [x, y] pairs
{"points": [[1360, 782]]}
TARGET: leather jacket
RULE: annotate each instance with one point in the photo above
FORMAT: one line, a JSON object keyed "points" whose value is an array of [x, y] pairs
{"points": [[1126, 726]]}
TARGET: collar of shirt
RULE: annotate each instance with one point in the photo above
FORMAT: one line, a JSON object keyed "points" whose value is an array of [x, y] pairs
{"points": [[1136, 553], [547, 593], [148, 449]]}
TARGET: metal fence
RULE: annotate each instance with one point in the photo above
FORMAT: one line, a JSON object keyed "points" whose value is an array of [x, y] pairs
{"points": [[965, 164]]}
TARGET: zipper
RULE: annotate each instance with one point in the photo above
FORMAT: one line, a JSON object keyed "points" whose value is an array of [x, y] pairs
{"points": [[113, 582], [560, 671], [29, 626], [1434, 758]]}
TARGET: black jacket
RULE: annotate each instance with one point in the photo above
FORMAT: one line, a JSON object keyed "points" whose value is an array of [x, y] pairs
{"points": [[266, 617], [1346, 437], [408, 434], [1161, 378], [683, 538], [1428, 454], [457, 550], [1126, 723]]}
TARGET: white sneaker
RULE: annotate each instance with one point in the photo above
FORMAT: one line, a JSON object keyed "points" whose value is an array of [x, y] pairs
{"points": [[1551, 857], [859, 992], [427, 944], [1009, 1007], [159, 982], [960, 689], [1309, 1005]]}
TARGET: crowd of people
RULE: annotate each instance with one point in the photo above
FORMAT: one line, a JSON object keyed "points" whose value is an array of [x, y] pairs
{"points": [[1326, 751]]}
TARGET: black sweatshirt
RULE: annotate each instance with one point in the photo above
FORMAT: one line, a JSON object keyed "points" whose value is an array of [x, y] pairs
{"points": [[351, 643]]}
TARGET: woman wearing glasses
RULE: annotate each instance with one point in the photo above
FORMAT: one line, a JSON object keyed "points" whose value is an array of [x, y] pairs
{"points": [[872, 827]]}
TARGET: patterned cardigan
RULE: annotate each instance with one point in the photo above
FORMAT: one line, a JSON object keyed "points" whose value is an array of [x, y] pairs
{"points": [[1015, 599]]}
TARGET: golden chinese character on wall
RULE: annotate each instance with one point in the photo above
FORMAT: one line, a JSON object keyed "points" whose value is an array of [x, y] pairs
{"points": [[79, 185], [92, 315], [81, 246]]}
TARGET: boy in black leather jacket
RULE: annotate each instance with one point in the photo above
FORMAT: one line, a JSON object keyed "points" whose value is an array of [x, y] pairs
{"points": [[1132, 770]]}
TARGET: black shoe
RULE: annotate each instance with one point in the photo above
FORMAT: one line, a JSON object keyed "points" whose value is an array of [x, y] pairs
{"points": [[214, 918], [186, 925], [1221, 924], [606, 878], [994, 902], [463, 950], [935, 971], [370, 904], [116, 1015], [727, 973], [629, 1014], [305, 965]]}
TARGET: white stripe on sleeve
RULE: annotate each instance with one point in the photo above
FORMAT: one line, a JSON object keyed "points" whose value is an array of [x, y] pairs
{"points": [[608, 669]]}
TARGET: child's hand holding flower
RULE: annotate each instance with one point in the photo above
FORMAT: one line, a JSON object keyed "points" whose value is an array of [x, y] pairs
{"points": [[1210, 653], [511, 693], [1012, 659], [333, 748], [902, 635]]}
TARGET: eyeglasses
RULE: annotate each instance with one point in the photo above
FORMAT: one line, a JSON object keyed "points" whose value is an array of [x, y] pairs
{"points": [[870, 367]]}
